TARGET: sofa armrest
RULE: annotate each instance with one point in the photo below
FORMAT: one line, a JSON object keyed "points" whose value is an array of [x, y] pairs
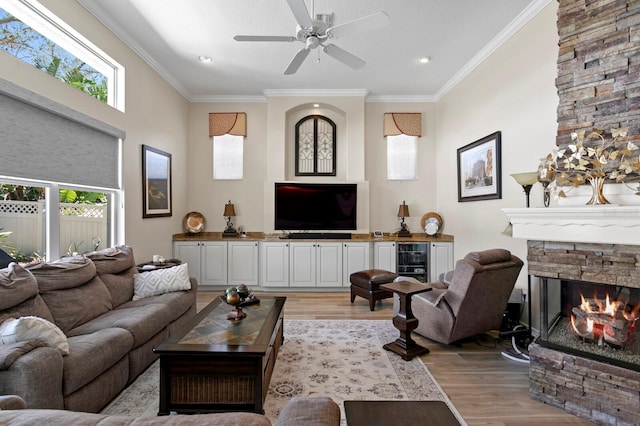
{"points": [[10, 352], [317, 411], [12, 402]]}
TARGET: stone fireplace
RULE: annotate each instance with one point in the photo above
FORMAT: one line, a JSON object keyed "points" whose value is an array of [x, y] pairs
{"points": [[590, 253]]}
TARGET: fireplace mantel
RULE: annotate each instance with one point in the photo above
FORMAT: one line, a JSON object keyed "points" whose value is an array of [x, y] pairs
{"points": [[608, 224]]}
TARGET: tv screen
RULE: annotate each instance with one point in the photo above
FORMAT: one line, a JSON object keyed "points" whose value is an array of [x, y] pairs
{"points": [[315, 206]]}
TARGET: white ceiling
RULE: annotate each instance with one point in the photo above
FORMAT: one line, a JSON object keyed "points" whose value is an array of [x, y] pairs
{"points": [[170, 35]]}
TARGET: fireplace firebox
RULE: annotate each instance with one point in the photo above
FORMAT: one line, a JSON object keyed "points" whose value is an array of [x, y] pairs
{"points": [[592, 320]]}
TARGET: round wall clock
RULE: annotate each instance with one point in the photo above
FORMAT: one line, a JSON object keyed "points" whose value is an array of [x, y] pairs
{"points": [[431, 223]]}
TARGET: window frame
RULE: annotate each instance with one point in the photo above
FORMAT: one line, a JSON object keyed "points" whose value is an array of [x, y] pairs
{"points": [[390, 158], [42, 20], [315, 118]]}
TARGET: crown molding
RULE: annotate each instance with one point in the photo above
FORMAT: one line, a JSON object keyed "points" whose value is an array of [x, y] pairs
{"points": [[227, 99], [272, 93], [373, 99], [520, 21]]}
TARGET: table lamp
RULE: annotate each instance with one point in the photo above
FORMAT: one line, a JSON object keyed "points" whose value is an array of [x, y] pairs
{"points": [[403, 212], [229, 212], [526, 180]]}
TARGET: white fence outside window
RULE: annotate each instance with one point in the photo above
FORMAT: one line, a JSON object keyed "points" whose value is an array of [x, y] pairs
{"points": [[80, 224]]}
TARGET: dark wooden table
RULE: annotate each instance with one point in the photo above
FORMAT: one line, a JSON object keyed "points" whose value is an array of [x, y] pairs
{"points": [[385, 413], [404, 320], [215, 364]]}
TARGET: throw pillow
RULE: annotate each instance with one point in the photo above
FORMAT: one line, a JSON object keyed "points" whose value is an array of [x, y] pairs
{"points": [[31, 328], [160, 281]]}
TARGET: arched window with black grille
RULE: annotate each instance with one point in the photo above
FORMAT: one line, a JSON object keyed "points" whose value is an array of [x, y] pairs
{"points": [[315, 146]]}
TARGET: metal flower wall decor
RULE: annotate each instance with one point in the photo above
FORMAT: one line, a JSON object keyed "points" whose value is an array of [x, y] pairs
{"points": [[594, 158]]}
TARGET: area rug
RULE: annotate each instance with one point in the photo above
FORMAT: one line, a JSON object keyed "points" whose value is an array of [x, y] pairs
{"points": [[343, 359]]}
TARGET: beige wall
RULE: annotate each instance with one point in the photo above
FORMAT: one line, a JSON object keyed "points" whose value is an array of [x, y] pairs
{"points": [[155, 115], [513, 91]]}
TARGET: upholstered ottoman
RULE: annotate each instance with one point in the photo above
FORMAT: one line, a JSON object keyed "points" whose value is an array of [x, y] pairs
{"points": [[367, 284]]}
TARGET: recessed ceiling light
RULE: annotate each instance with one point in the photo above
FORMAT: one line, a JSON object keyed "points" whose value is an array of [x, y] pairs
{"points": [[316, 105], [205, 59], [424, 59]]}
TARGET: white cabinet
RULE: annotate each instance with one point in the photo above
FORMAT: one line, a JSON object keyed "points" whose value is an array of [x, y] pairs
{"points": [[274, 264], [242, 263], [355, 257], [384, 255], [209, 261], [314, 264], [440, 259]]}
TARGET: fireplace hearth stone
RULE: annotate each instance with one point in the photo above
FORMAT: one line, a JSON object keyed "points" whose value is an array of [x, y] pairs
{"points": [[596, 391]]}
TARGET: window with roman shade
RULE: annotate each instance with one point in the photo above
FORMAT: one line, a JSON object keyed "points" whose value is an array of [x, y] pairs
{"points": [[402, 131], [228, 130]]}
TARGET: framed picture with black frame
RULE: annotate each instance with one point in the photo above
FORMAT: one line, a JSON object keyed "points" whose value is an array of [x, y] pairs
{"points": [[479, 169], [156, 182]]}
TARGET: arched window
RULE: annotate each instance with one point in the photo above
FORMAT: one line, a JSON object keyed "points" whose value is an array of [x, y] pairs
{"points": [[315, 146]]}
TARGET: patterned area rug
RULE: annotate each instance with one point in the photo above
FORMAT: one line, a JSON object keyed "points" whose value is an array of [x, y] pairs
{"points": [[341, 359]]}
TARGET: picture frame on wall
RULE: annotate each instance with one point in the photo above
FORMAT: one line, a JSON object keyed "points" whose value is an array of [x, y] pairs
{"points": [[156, 183], [479, 169]]}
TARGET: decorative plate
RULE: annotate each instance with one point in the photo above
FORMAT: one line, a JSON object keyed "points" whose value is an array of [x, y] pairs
{"points": [[431, 223], [194, 222]]}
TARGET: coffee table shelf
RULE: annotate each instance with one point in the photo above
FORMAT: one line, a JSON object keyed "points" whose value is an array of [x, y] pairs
{"points": [[218, 365]]}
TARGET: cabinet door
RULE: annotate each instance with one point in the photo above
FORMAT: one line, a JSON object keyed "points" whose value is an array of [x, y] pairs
{"points": [[189, 252], [242, 263], [441, 259], [302, 264], [214, 263], [274, 264], [384, 256], [328, 264], [355, 257]]}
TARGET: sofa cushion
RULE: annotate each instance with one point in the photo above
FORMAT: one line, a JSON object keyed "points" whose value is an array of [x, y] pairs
{"points": [[160, 281], [92, 354], [489, 256], [19, 295], [65, 273], [174, 304], [16, 285], [120, 285], [112, 260], [143, 322], [33, 328]]}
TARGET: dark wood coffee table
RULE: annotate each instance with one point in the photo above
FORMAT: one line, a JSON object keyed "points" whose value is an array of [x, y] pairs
{"points": [[384, 413], [216, 364]]}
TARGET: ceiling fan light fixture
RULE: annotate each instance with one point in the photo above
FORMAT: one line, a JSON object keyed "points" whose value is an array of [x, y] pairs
{"points": [[205, 59]]}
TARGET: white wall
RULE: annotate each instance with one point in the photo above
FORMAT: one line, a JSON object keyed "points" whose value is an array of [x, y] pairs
{"points": [[513, 91]]}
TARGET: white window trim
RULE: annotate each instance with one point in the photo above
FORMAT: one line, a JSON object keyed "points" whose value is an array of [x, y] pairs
{"points": [[49, 25]]}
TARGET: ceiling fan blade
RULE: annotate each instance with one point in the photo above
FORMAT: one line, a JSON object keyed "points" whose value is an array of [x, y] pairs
{"points": [[370, 22], [297, 61], [301, 13], [263, 38], [344, 56]]}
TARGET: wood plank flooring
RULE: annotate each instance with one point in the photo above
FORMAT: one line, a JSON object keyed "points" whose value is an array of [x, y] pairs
{"points": [[485, 387]]}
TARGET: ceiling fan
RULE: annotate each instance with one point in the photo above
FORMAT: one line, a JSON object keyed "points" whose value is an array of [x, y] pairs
{"points": [[315, 32]]}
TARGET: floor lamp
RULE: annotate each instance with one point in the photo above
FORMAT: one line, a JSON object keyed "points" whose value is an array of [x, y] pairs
{"points": [[526, 180]]}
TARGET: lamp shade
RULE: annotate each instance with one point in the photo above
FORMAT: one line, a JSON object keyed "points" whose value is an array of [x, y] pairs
{"points": [[403, 211], [229, 210], [526, 178]]}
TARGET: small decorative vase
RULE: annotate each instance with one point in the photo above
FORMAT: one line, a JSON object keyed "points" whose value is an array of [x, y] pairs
{"points": [[597, 198]]}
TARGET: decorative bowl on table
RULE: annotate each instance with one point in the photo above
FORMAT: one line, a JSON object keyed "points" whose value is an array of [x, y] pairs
{"points": [[238, 297]]}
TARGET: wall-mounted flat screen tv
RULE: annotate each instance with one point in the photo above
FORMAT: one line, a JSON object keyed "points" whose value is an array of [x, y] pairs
{"points": [[315, 206]]}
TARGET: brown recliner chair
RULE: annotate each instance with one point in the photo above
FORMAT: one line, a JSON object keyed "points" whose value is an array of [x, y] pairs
{"points": [[472, 302]]}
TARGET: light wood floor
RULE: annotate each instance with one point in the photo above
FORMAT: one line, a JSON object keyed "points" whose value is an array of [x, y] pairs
{"points": [[485, 387]]}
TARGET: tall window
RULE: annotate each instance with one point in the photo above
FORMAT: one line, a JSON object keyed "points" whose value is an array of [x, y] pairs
{"points": [[33, 34], [402, 157], [315, 146], [228, 155]]}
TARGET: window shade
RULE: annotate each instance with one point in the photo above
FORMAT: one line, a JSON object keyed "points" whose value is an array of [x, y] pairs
{"points": [[398, 123], [44, 140], [232, 123]]}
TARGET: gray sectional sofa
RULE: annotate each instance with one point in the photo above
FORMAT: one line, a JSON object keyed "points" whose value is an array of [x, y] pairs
{"points": [[110, 336]]}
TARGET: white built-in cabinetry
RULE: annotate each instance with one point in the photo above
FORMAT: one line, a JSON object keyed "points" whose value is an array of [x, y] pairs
{"points": [[296, 264], [220, 263]]}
